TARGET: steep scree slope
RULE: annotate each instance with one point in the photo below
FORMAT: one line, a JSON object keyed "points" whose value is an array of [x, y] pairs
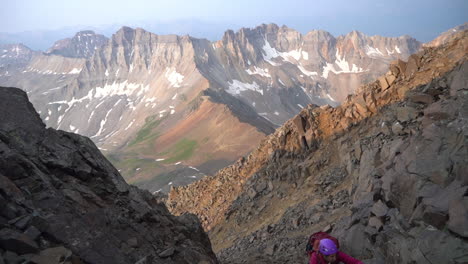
{"points": [[61, 201]]}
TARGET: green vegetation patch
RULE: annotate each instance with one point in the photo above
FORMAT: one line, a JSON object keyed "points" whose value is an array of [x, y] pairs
{"points": [[182, 150], [145, 132], [129, 166]]}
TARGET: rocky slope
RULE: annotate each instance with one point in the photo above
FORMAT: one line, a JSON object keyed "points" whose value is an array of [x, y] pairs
{"points": [[446, 36], [385, 172], [61, 201]]}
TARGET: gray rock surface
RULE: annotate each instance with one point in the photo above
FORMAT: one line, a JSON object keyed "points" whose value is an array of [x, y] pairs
{"points": [[61, 201]]}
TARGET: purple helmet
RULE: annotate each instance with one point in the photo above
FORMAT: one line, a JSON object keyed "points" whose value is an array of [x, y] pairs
{"points": [[327, 247]]}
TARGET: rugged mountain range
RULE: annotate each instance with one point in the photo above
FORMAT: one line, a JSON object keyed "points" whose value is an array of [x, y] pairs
{"points": [[61, 201], [148, 100], [385, 172]]}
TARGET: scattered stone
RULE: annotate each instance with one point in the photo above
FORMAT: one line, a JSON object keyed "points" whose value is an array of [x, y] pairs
{"points": [[252, 193], [421, 98], [270, 186], [270, 250], [397, 128], [55, 255], [434, 218], [133, 242], [405, 114], [413, 65], [327, 229], [295, 221], [32, 232], [458, 217], [390, 79], [167, 253], [379, 209], [375, 222], [12, 257], [261, 186], [383, 83], [17, 242]]}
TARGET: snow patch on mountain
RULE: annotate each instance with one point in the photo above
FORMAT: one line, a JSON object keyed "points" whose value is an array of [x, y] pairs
{"points": [[129, 125], [75, 71], [150, 101], [174, 77], [306, 72], [331, 98], [282, 83], [123, 88], [270, 53], [397, 49], [293, 54], [236, 87], [103, 122], [371, 51], [342, 64], [259, 71], [51, 72]]}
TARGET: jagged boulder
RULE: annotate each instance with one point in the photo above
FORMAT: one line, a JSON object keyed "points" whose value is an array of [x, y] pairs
{"points": [[61, 201]]}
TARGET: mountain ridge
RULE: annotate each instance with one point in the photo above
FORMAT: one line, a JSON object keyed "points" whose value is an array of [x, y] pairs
{"points": [[137, 75]]}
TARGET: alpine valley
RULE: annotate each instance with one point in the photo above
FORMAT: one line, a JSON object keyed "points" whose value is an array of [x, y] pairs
{"points": [[168, 110]]}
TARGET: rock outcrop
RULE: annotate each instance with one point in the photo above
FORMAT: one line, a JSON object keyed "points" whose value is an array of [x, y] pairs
{"points": [[61, 201], [385, 172]]}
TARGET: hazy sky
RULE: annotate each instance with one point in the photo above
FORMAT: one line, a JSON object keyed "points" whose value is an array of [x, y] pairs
{"points": [[423, 19]]}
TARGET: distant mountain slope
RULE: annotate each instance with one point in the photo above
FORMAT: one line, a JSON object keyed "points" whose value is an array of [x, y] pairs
{"points": [[139, 87], [82, 45], [385, 172], [15, 56]]}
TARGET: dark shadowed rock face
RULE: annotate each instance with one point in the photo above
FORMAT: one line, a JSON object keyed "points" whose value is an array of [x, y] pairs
{"points": [[61, 201]]}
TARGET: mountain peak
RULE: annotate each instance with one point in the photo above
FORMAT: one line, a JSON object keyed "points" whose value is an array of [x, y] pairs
{"points": [[82, 45], [85, 32]]}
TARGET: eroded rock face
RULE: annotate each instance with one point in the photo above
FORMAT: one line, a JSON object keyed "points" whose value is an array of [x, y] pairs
{"points": [[61, 201], [385, 173]]}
